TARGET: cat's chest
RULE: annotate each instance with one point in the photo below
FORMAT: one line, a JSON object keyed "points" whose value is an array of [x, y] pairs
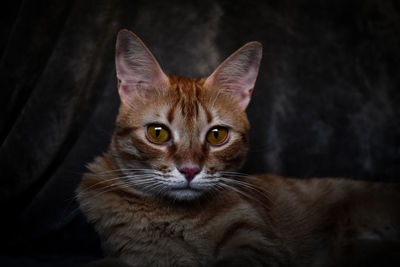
{"points": [[167, 225], [167, 228], [170, 234], [201, 230]]}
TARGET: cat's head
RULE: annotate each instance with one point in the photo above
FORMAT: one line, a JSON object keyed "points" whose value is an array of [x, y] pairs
{"points": [[180, 137]]}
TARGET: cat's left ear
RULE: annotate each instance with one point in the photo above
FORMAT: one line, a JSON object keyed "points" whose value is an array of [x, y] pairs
{"points": [[137, 68], [238, 73]]}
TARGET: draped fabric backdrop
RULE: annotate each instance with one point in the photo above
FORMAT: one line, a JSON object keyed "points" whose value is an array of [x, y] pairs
{"points": [[326, 102]]}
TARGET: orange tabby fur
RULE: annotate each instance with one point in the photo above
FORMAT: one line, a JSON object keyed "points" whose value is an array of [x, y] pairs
{"points": [[267, 221]]}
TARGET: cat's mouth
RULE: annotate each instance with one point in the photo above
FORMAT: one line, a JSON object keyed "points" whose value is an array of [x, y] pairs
{"points": [[186, 186], [187, 191]]}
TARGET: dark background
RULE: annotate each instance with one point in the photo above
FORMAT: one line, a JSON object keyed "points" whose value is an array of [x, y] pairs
{"points": [[326, 103]]}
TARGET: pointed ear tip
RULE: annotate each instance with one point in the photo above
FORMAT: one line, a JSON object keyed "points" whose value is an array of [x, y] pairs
{"points": [[125, 33], [126, 37], [123, 30], [255, 44]]}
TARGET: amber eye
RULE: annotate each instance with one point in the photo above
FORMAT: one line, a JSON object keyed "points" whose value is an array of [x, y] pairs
{"points": [[217, 135], [157, 133]]}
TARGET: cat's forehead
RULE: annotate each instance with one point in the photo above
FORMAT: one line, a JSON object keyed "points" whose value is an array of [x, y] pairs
{"points": [[188, 100], [185, 103], [193, 106], [187, 90], [189, 93]]}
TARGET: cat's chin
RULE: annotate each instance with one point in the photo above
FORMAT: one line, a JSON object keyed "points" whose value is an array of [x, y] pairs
{"points": [[185, 194]]}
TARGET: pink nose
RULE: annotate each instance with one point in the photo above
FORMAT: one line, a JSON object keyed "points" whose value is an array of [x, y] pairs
{"points": [[189, 173]]}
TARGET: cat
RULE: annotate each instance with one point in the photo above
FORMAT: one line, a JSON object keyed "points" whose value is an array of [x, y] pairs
{"points": [[167, 191]]}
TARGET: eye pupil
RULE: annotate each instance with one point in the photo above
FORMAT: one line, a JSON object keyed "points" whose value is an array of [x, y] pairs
{"points": [[215, 131], [158, 131]]}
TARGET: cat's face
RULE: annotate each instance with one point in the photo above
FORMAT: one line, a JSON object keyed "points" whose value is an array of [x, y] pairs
{"points": [[178, 137]]}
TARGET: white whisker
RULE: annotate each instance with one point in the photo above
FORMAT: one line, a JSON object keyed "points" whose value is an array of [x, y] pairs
{"points": [[243, 194], [117, 178], [247, 185]]}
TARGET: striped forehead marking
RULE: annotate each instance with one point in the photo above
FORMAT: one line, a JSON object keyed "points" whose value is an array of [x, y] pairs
{"points": [[188, 94]]}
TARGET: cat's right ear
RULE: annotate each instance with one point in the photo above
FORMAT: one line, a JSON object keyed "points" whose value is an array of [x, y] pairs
{"points": [[137, 68]]}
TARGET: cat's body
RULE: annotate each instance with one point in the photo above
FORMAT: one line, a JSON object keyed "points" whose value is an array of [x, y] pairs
{"points": [[311, 222], [166, 192]]}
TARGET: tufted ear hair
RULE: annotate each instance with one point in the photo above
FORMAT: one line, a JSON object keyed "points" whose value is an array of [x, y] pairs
{"points": [[238, 73], [137, 68]]}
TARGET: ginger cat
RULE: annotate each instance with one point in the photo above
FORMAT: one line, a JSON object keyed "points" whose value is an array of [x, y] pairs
{"points": [[166, 193]]}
